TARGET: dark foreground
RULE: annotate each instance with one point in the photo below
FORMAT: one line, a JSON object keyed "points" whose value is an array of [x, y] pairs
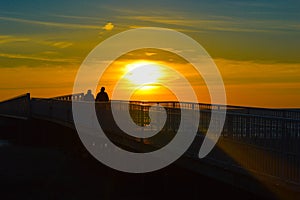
{"points": [[48, 173]]}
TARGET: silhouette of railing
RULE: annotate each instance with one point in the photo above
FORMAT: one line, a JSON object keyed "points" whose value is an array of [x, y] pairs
{"points": [[70, 97], [17, 107], [268, 138], [265, 142], [56, 110]]}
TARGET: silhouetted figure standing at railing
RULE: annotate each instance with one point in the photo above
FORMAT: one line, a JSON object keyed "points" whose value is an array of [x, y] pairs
{"points": [[88, 96], [102, 95]]}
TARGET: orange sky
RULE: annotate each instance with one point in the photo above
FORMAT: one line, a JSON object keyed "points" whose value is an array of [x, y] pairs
{"points": [[269, 85]]}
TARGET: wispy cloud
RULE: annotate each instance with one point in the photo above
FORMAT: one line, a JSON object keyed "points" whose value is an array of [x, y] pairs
{"points": [[150, 53], [216, 23], [77, 17], [38, 58], [53, 24], [186, 30], [58, 44], [62, 45], [9, 39], [159, 19], [199, 24]]}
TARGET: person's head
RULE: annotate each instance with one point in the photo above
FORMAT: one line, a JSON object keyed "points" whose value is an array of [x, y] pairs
{"points": [[89, 91], [102, 89]]}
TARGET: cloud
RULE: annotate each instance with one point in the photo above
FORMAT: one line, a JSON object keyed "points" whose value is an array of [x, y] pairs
{"points": [[186, 24], [58, 44], [201, 22], [54, 24], [37, 58], [76, 17], [217, 23], [108, 27], [150, 53], [9, 39], [62, 45]]}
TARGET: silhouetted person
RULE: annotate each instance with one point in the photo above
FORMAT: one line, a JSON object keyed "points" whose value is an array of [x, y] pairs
{"points": [[102, 95], [89, 96]]}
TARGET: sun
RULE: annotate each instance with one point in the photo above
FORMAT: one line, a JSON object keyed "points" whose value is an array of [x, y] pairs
{"points": [[147, 79], [143, 72]]}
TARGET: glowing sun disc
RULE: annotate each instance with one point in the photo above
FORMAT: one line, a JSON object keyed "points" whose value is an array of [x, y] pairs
{"points": [[143, 72]]}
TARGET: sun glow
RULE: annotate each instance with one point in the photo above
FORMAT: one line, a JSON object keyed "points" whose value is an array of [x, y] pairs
{"points": [[143, 72], [151, 74], [148, 80]]}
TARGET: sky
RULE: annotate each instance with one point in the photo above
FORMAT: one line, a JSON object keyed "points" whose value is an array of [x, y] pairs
{"points": [[255, 44]]}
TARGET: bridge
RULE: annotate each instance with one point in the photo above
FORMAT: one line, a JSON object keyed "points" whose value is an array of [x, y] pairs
{"points": [[258, 146]]}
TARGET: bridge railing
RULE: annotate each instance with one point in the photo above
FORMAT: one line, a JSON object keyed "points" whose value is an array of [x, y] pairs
{"points": [[263, 141], [70, 97], [259, 140], [17, 107], [279, 113], [53, 109]]}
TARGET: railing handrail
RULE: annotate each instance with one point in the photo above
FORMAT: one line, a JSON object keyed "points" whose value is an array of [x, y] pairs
{"points": [[69, 95], [269, 112], [17, 107], [16, 97]]}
